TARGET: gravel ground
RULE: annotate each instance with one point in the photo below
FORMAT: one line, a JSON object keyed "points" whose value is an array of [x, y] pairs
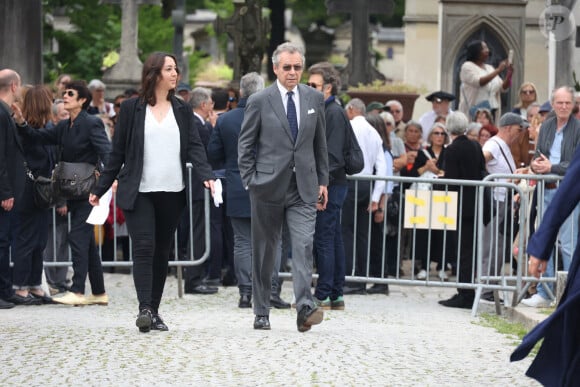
{"points": [[405, 339]]}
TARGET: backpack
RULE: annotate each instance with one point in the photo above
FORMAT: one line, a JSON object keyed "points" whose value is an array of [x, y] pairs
{"points": [[354, 160]]}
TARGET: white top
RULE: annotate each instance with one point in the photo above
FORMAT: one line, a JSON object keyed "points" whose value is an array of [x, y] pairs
{"points": [[472, 93], [161, 157], [499, 164], [371, 145]]}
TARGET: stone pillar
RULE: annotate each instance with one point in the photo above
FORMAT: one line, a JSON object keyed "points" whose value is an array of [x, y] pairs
{"points": [[21, 31], [126, 73]]}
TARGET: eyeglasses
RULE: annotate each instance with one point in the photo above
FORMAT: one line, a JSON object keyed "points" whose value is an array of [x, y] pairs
{"points": [[314, 85], [438, 133], [70, 93], [528, 92], [289, 67]]}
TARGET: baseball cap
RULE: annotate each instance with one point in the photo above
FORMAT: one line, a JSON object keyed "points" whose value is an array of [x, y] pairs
{"points": [[377, 105]]}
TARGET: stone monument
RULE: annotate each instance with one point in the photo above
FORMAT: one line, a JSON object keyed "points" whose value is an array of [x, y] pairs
{"points": [[21, 31]]}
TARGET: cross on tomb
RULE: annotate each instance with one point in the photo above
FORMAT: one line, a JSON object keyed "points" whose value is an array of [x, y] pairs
{"points": [[361, 70]]}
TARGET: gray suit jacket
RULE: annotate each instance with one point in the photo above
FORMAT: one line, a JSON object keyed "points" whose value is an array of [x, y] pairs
{"points": [[267, 154]]}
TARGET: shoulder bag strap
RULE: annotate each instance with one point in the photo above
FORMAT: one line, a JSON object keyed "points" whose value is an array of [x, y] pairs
{"points": [[504, 156]]}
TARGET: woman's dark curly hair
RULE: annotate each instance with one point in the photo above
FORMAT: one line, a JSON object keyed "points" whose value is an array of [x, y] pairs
{"points": [[151, 72], [474, 50]]}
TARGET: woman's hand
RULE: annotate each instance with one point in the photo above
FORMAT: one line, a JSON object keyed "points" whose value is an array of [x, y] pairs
{"points": [[94, 200]]}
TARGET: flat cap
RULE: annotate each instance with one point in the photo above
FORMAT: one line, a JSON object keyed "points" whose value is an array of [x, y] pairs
{"points": [[546, 107], [377, 105], [511, 119], [439, 96]]}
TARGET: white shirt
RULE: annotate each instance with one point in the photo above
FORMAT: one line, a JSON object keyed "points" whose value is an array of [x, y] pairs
{"points": [[371, 145], [162, 156], [499, 163], [427, 120], [296, 99]]}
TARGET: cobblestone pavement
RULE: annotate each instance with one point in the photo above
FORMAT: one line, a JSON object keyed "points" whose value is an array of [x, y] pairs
{"points": [[405, 339]]}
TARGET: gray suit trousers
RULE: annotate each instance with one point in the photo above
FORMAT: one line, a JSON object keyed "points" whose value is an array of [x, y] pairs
{"points": [[267, 221]]}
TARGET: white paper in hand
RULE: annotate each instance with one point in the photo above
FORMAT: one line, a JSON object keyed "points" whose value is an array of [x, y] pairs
{"points": [[217, 193], [99, 213]]}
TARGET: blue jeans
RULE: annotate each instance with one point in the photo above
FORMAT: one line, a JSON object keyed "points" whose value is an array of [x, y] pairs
{"points": [[567, 236], [328, 246]]}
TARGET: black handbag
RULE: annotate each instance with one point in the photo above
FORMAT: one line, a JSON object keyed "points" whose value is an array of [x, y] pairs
{"points": [[43, 190], [73, 180]]}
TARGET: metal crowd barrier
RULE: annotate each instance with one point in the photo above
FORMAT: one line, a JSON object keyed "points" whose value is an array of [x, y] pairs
{"points": [[509, 276], [177, 261]]}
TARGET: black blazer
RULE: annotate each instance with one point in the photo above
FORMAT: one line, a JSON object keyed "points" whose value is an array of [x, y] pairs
{"points": [[464, 161], [126, 161], [12, 175]]}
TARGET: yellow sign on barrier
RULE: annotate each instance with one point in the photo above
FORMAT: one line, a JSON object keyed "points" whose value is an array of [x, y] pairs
{"points": [[436, 210]]}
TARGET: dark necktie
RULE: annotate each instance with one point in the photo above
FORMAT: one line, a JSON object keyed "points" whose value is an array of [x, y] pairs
{"points": [[291, 114]]}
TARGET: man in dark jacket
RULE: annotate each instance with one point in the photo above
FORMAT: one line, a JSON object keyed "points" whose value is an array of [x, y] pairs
{"points": [[328, 245], [12, 177]]}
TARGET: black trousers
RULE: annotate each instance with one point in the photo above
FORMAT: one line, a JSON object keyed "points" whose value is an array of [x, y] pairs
{"points": [[151, 225]]}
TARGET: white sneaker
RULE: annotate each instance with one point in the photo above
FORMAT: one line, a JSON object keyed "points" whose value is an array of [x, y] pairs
{"points": [[422, 274], [443, 275], [536, 301]]}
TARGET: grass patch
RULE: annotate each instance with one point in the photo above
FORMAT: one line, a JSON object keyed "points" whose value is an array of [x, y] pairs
{"points": [[514, 330]]}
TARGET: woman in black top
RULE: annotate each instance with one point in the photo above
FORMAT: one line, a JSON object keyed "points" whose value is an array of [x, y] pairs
{"points": [[154, 139]]}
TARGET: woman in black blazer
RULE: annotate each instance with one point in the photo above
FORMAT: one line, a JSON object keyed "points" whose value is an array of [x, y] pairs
{"points": [[80, 139], [154, 139]]}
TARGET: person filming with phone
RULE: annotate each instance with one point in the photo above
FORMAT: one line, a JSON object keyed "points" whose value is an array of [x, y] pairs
{"points": [[481, 83]]}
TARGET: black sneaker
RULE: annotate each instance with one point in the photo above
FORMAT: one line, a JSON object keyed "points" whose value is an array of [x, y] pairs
{"points": [[144, 320]]}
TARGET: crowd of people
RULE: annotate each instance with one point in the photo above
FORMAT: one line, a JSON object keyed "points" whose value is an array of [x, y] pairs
{"points": [[278, 152]]}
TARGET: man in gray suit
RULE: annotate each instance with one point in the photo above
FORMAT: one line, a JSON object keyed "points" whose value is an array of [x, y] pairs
{"points": [[283, 163]]}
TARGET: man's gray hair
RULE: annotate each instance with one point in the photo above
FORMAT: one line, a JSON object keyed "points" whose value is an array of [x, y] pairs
{"points": [[55, 106], [290, 48], [251, 83], [456, 123], [199, 95], [394, 102], [567, 88], [357, 105]]}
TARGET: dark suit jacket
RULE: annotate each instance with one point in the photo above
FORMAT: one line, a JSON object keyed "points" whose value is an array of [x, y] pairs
{"points": [[12, 174], [267, 153], [464, 160], [126, 161], [558, 360], [223, 148], [204, 129]]}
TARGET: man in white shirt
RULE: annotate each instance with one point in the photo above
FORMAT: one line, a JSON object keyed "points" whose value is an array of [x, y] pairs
{"points": [[367, 199], [499, 159]]}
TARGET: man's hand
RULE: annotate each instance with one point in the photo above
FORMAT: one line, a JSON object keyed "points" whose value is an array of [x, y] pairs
{"points": [[7, 204], [322, 198], [62, 211], [209, 184], [541, 165], [536, 266]]}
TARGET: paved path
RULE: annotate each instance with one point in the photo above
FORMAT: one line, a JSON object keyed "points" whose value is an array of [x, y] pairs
{"points": [[405, 339]]}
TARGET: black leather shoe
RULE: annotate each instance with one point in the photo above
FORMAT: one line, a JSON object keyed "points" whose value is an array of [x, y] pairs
{"points": [[6, 304], [307, 317], [278, 303], [44, 299], [351, 290], [157, 323], [458, 301], [28, 300], [202, 289], [144, 320], [262, 322], [245, 301], [379, 289]]}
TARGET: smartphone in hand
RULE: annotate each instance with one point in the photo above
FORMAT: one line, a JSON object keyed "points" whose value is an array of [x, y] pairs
{"points": [[511, 57]]}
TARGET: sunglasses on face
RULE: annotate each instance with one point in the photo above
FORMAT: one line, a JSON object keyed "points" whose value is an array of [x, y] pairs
{"points": [[289, 67], [528, 92], [70, 93], [439, 133], [314, 85]]}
